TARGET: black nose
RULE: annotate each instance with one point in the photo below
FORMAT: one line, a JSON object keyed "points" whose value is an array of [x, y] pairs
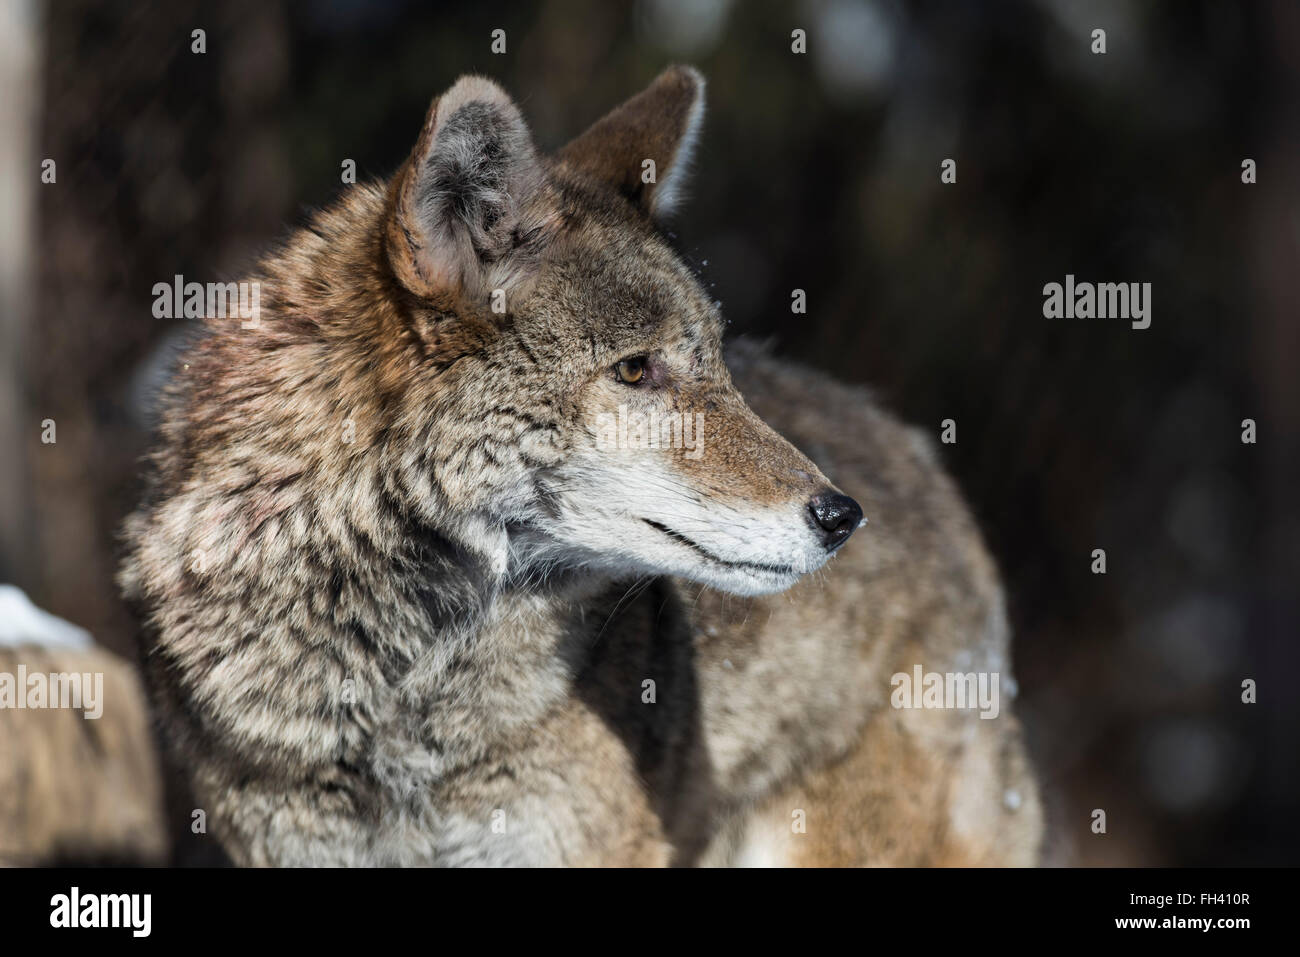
{"points": [[835, 517]]}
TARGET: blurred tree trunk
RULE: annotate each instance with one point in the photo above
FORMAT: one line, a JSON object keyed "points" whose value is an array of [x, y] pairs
{"points": [[20, 25]]}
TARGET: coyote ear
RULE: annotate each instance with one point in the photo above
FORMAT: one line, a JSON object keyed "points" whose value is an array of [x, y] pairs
{"points": [[660, 124], [472, 210]]}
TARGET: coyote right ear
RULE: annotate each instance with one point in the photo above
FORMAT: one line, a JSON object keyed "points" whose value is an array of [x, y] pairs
{"points": [[472, 210], [643, 147]]}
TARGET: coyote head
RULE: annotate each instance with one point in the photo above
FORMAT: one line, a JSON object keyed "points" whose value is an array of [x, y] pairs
{"points": [[577, 397]]}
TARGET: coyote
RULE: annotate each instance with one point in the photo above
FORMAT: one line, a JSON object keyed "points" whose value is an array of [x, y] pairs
{"points": [[406, 603]]}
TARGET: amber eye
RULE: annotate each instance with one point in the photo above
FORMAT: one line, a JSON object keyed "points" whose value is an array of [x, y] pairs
{"points": [[631, 370]]}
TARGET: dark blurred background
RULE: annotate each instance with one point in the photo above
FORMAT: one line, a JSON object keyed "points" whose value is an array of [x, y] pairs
{"points": [[818, 172]]}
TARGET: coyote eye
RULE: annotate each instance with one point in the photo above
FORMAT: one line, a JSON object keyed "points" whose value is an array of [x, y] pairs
{"points": [[631, 370]]}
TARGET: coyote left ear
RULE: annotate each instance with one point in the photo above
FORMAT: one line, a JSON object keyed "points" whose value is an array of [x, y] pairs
{"points": [[658, 126], [472, 209]]}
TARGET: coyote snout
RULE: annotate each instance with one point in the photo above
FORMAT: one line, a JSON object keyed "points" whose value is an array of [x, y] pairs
{"points": [[740, 509]]}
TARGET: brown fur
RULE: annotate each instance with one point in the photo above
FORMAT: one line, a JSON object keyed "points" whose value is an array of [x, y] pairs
{"points": [[402, 606]]}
